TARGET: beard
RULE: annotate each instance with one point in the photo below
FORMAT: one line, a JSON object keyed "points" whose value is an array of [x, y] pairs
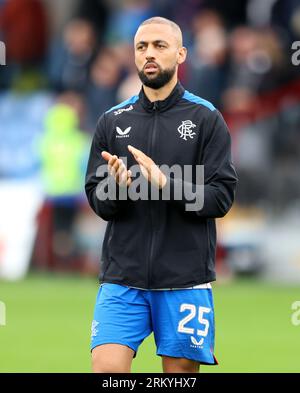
{"points": [[161, 79]]}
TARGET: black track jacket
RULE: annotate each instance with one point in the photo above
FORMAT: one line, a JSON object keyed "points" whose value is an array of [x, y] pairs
{"points": [[156, 244]]}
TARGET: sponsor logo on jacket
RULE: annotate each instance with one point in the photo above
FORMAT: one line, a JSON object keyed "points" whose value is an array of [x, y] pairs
{"points": [[121, 133], [119, 111]]}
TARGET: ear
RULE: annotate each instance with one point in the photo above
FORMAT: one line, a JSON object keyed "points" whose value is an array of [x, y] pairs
{"points": [[182, 52]]}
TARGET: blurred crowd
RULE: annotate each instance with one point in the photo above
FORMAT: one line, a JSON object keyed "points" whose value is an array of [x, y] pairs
{"points": [[69, 61]]}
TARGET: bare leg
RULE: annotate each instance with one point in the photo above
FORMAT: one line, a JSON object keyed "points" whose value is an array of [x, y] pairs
{"points": [[112, 358], [179, 365]]}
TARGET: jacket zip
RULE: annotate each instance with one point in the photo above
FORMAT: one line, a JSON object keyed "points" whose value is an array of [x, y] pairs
{"points": [[152, 223]]}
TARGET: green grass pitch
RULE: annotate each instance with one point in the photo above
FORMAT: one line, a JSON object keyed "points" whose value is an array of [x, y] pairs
{"points": [[48, 327]]}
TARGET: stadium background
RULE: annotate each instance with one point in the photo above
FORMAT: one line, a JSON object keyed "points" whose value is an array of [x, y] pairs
{"points": [[67, 62]]}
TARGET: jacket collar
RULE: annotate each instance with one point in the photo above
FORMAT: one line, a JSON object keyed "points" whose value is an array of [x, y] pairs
{"points": [[162, 105]]}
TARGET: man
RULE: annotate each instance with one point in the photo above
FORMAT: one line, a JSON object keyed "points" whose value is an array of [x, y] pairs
{"points": [[158, 254]]}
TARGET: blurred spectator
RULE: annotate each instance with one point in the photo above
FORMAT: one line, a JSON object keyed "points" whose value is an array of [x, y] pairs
{"points": [[88, 232], [286, 17], [238, 101], [130, 86], [63, 149], [180, 11], [59, 13], [124, 52], [234, 12], [95, 11], [256, 65], [294, 22], [24, 29], [125, 17], [243, 44], [207, 63], [70, 59], [20, 134], [75, 101], [259, 12], [101, 90]]}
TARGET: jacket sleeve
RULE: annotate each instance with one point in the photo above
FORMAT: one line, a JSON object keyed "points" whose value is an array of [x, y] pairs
{"points": [[220, 178], [107, 208]]}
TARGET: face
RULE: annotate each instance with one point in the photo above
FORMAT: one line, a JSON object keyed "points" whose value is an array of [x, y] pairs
{"points": [[158, 52]]}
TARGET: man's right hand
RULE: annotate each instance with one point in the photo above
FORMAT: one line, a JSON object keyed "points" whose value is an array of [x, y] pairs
{"points": [[117, 169]]}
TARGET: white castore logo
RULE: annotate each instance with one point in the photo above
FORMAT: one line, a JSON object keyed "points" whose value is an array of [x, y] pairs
{"points": [[186, 129], [197, 343], [121, 133]]}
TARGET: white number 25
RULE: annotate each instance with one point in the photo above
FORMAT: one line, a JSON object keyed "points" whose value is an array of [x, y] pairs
{"points": [[192, 308]]}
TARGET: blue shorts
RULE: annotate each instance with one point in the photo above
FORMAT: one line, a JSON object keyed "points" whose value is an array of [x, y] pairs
{"points": [[182, 320]]}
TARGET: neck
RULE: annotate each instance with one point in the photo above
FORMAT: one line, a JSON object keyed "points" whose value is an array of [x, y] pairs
{"points": [[162, 93]]}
